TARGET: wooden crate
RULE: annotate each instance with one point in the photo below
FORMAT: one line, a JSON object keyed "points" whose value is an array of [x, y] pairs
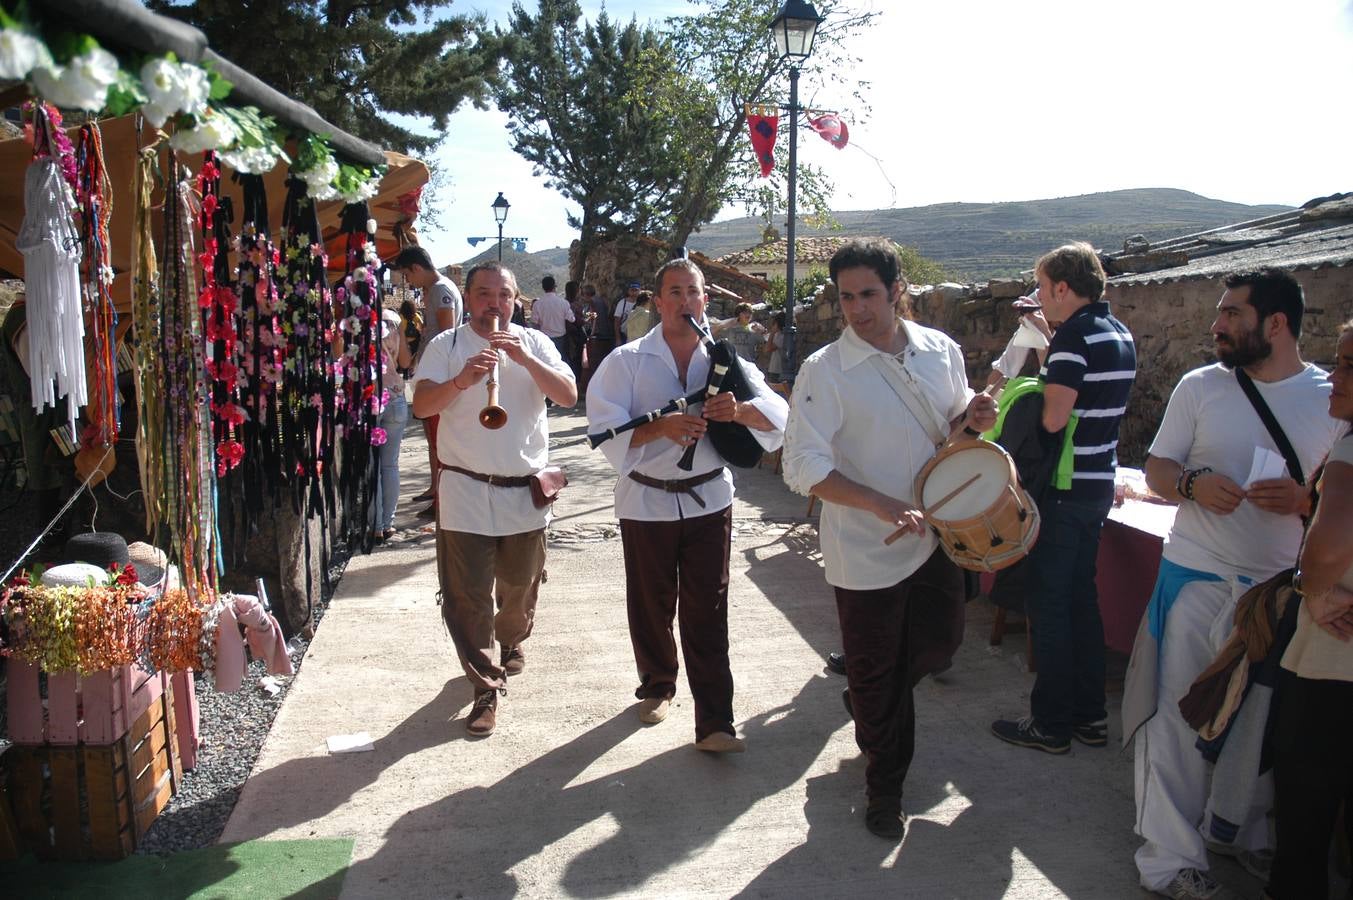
{"points": [[77, 709], [95, 801]]}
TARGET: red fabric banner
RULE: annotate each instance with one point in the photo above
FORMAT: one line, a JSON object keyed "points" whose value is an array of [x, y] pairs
{"points": [[832, 129], [763, 129]]}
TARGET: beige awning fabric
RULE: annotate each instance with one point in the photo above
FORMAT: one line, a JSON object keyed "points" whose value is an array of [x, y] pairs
{"points": [[404, 177]]}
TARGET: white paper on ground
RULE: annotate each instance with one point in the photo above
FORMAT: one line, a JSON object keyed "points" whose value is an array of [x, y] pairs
{"points": [[350, 743], [1267, 464]]}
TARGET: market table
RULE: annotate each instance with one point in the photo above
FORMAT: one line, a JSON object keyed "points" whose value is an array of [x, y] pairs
{"points": [[1126, 567]]}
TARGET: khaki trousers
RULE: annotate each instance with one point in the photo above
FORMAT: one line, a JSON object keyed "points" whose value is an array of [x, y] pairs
{"points": [[491, 585]]}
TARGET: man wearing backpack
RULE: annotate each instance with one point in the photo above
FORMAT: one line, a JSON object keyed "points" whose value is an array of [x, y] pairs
{"points": [[1229, 533], [1089, 371]]}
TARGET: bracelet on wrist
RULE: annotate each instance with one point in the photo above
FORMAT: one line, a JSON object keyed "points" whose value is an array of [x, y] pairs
{"points": [[971, 432], [1190, 476]]}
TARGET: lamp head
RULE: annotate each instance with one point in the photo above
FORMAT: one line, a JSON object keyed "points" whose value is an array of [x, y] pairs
{"points": [[794, 28], [500, 208]]}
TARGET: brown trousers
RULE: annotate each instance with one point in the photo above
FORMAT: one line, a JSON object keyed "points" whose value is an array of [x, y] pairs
{"points": [[893, 637], [681, 569], [491, 589]]}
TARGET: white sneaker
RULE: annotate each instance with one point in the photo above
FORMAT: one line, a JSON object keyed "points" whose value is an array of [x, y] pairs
{"points": [[1192, 884]]}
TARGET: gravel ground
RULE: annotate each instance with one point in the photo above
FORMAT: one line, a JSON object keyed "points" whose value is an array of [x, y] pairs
{"points": [[231, 733]]}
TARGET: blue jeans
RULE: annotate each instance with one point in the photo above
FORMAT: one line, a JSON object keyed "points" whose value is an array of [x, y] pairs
{"points": [[393, 420], [1063, 607]]}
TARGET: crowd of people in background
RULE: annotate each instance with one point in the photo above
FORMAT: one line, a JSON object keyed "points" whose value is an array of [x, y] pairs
{"points": [[1238, 543]]}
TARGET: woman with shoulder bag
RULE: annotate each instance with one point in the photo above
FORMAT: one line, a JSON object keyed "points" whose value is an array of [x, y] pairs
{"points": [[1313, 731]]}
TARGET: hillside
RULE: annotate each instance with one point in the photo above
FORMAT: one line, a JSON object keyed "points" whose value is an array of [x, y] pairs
{"points": [[528, 267], [980, 240]]}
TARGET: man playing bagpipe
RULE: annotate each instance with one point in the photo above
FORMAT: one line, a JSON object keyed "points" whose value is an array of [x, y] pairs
{"points": [[674, 497]]}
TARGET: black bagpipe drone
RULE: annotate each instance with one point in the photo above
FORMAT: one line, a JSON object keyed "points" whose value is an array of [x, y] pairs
{"points": [[734, 442]]}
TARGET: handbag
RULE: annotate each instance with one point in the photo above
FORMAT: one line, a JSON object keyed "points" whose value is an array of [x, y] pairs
{"points": [[546, 484]]}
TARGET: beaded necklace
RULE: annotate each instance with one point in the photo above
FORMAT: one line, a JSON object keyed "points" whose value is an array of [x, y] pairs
{"points": [[95, 196]]}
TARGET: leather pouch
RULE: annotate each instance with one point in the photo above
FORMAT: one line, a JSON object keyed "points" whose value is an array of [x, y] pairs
{"points": [[546, 485]]}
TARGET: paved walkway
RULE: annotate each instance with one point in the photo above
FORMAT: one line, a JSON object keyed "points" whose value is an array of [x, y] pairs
{"points": [[573, 797]]}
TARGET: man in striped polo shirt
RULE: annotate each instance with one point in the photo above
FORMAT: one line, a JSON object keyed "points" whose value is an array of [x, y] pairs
{"points": [[1089, 371]]}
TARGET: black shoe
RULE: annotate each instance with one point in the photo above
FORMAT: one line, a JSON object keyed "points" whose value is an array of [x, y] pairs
{"points": [[885, 819], [1092, 734], [1026, 733], [845, 699], [424, 497], [836, 662], [429, 513]]}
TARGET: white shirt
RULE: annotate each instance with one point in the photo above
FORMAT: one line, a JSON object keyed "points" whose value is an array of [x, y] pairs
{"points": [[623, 307], [1025, 339], [847, 418], [640, 377], [518, 448], [391, 338], [550, 312], [442, 295], [1210, 422]]}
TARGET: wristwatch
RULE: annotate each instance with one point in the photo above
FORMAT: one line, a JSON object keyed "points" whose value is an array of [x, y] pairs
{"points": [[1296, 584], [971, 432]]}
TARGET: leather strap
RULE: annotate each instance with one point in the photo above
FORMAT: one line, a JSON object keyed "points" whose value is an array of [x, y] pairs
{"points": [[685, 486], [494, 480], [1275, 430]]}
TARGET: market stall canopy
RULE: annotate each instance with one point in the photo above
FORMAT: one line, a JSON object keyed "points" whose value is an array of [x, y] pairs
{"points": [[394, 206], [128, 24]]}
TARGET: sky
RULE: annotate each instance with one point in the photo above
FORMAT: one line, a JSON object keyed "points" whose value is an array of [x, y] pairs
{"points": [[988, 101]]}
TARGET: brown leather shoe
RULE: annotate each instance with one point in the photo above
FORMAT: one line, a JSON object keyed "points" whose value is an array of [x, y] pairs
{"points": [[653, 710], [721, 742], [483, 717], [512, 660]]}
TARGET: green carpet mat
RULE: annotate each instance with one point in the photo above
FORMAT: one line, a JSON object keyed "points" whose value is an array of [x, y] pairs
{"points": [[306, 870]]}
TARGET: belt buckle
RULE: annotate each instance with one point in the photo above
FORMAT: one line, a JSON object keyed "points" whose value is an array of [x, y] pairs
{"points": [[493, 481], [673, 487]]}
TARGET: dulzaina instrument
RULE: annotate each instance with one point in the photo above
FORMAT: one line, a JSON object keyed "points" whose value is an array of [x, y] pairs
{"points": [[734, 442], [971, 495], [677, 405], [493, 416]]}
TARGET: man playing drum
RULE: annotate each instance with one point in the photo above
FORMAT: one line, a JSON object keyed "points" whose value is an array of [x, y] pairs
{"points": [[1090, 367], [869, 411]]}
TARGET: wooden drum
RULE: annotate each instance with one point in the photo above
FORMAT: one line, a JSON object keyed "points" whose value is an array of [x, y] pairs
{"points": [[973, 499]]}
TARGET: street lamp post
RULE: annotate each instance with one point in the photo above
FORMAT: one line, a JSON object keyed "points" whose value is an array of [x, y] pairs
{"points": [[500, 208], [793, 30]]}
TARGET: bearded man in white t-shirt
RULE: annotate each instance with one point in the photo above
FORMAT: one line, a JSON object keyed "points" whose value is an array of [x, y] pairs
{"points": [[1230, 533]]}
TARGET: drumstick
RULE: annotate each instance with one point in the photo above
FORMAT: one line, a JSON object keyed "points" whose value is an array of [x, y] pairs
{"points": [[896, 535]]}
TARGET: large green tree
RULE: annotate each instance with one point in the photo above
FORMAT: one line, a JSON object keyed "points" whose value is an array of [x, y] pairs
{"points": [[357, 62], [725, 51], [574, 92]]}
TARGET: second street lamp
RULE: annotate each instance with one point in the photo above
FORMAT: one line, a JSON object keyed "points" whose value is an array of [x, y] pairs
{"points": [[793, 30], [500, 208]]}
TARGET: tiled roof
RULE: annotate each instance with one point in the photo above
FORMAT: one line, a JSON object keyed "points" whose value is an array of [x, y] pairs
{"points": [[806, 250], [1312, 238]]}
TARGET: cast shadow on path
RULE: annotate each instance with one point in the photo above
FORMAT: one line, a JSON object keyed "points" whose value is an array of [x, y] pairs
{"points": [[336, 778], [662, 811]]}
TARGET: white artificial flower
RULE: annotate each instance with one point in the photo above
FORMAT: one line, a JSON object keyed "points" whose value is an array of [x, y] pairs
{"points": [[213, 132], [364, 191], [319, 180], [173, 88], [21, 53], [83, 84], [196, 89], [251, 160]]}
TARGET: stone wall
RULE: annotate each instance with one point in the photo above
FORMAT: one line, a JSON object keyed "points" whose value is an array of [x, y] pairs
{"points": [[1170, 323], [612, 266]]}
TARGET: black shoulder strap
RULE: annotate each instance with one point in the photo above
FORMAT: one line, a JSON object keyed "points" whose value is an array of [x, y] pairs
{"points": [[1275, 430]]}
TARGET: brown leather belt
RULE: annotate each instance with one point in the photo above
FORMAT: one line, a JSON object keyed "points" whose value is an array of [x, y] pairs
{"points": [[678, 485], [495, 480]]}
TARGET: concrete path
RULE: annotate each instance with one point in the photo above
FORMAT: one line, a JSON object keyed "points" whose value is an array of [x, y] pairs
{"points": [[573, 797]]}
